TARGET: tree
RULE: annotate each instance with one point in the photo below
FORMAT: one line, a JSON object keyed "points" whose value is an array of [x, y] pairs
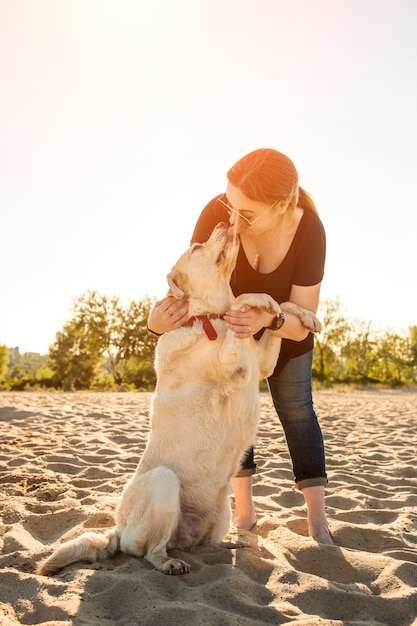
{"points": [[358, 354], [119, 333], [24, 365], [4, 360], [73, 359], [328, 344], [102, 328], [101, 317], [413, 345], [393, 364]]}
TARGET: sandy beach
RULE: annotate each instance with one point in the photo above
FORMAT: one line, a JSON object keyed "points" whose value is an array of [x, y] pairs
{"points": [[65, 457]]}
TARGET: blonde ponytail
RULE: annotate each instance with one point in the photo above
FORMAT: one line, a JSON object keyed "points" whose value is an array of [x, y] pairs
{"points": [[305, 201]]}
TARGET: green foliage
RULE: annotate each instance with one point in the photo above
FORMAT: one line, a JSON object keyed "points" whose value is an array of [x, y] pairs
{"points": [[24, 365], [140, 373], [326, 364], [107, 346], [73, 358], [4, 360], [413, 346], [350, 351], [22, 370], [102, 331], [394, 362]]}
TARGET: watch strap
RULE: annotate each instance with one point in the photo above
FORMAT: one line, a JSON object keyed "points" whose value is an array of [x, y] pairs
{"points": [[277, 322]]}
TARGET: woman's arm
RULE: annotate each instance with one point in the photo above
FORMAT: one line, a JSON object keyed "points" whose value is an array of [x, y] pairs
{"points": [[167, 314]]}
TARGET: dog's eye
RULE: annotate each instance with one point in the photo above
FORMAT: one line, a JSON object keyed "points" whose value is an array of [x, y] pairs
{"points": [[195, 247]]}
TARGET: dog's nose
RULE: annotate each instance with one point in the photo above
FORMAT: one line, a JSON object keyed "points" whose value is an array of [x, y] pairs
{"points": [[233, 231]]}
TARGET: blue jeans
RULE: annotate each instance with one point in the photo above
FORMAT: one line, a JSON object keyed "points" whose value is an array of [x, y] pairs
{"points": [[292, 397]]}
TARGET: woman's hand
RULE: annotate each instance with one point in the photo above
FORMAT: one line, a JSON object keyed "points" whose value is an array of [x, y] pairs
{"points": [[168, 314], [247, 321]]}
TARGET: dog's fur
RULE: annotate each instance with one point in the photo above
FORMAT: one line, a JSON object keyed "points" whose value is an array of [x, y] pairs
{"points": [[204, 416]]}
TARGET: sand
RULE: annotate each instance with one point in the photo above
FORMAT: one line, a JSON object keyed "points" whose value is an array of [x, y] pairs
{"points": [[65, 457]]}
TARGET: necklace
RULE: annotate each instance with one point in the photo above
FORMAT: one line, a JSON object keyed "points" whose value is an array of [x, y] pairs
{"points": [[282, 234], [255, 261], [257, 254]]}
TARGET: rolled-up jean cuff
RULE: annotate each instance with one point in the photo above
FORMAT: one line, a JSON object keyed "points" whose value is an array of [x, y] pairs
{"points": [[245, 472], [319, 481]]}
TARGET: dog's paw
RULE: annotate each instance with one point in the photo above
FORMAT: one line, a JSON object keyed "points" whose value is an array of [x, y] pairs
{"points": [[310, 321], [306, 317], [175, 567], [234, 543], [261, 301]]}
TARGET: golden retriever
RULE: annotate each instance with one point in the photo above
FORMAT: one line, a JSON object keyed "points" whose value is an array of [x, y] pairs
{"points": [[204, 415]]}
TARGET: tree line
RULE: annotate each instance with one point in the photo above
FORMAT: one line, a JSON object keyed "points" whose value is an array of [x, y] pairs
{"points": [[106, 346]]}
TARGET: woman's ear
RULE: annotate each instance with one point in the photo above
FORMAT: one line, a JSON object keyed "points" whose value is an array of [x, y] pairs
{"points": [[174, 288], [282, 206]]}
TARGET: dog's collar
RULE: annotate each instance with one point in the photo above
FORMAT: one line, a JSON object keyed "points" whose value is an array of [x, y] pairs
{"points": [[207, 325]]}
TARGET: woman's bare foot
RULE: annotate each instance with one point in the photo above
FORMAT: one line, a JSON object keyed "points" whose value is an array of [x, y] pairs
{"points": [[322, 535], [318, 527], [244, 522], [244, 516]]}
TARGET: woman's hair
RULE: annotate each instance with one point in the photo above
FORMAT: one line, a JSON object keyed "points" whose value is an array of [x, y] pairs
{"points": [[268, 176]]}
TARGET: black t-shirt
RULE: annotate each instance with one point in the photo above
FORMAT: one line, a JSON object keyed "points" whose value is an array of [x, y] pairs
{"points": [[303, 265]]}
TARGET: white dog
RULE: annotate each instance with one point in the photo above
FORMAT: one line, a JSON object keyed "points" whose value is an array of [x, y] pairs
{"points": [[204, 415]]}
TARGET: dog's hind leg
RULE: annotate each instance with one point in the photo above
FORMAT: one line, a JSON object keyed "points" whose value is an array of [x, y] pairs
{"points": [[149, 511]]}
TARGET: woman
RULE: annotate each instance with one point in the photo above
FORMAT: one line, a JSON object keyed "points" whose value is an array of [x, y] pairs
{"points": [[282, 253]]}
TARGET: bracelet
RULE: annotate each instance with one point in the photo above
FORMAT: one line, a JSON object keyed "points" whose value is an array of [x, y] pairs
{"points": [[154, 333]]}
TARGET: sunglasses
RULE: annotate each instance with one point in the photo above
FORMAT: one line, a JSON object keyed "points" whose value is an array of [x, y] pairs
{"points": [[232, 211]]}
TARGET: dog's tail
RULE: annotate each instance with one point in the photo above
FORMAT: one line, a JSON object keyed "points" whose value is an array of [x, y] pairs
{"points": [[90, 547]]}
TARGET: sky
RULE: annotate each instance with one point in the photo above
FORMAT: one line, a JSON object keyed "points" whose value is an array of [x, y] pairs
{"points": [[120, 119]]}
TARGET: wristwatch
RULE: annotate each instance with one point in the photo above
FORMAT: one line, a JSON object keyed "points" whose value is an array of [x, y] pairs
{"points": [[277, 322]]}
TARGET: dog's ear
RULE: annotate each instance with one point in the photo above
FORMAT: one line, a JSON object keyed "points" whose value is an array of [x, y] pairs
{"points": [[174, 288]]}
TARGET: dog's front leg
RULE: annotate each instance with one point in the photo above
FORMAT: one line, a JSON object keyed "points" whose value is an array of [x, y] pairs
{"points": [[306, 317], [268, 348]]}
